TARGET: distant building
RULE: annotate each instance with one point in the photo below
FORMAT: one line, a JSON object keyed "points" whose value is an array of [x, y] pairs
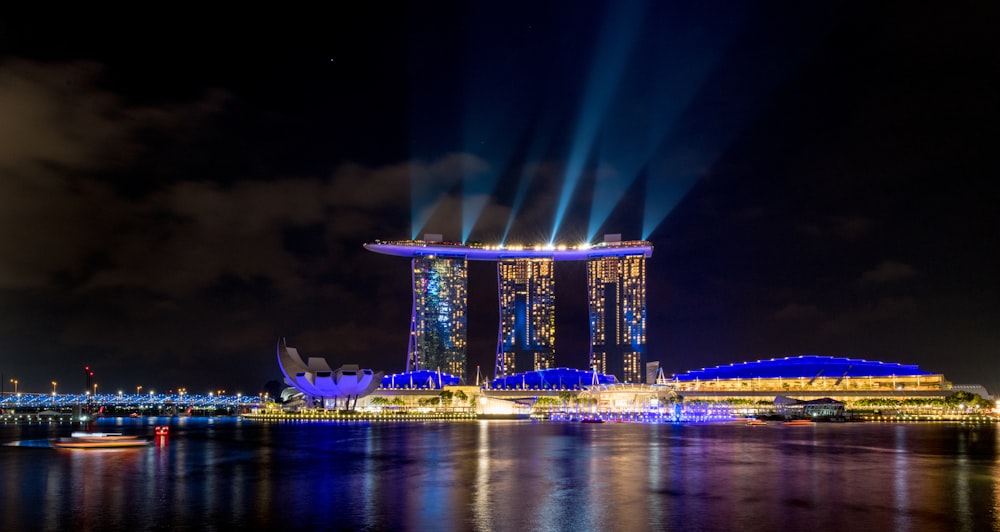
{"points": [[977, 389]]}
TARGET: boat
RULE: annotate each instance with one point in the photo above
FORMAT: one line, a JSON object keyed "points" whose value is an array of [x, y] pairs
{"points": [[798, 422], [99, 440], [504, 416], [755, 422], [591, 420]]}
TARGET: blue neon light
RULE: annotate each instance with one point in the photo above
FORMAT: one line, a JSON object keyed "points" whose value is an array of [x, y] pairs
{"points": [[551, 379], [806, 366], [420, 379], [414, 248]]}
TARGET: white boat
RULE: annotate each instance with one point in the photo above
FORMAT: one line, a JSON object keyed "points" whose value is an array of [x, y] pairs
{"points": [[99, 440]]}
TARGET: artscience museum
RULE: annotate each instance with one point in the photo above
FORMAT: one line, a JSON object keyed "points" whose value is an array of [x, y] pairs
{"points": [[322, 386]]}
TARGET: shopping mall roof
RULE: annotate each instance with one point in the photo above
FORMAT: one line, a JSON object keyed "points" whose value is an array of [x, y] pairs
{"points": [[551, 379], [805, 366], [420, 379]]}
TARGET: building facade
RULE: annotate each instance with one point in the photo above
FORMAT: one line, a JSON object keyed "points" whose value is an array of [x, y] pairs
{"points": [[527, 315], [616, 287], [808, 377], [438, 325]]}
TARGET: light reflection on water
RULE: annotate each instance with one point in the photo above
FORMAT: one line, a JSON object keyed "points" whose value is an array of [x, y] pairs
{"points": [[223, 473]]}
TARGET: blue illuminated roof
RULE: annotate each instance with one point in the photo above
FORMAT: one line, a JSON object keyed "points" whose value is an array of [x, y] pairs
{"points": [[551, 379], [806, 366], [419, 248], [420, 379]]}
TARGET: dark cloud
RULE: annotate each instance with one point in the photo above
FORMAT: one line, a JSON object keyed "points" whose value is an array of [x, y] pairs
{"points": [[856, 320], [888, 271], [797, 311], [850, 228]]}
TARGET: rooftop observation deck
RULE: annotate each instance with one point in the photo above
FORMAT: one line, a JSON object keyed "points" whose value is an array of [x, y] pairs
{"points": [[483, 252]]}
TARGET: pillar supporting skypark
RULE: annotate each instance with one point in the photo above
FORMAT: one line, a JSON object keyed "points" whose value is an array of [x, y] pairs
{"points": [[616, 279]]}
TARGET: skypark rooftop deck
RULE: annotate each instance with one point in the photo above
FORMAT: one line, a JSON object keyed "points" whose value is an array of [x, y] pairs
{"points": [[482, 252]]}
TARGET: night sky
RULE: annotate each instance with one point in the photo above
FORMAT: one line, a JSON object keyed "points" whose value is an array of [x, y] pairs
{"points": [[178, 190]]}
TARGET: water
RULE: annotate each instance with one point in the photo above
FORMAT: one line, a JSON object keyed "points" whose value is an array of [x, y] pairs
{"points": [[226, 473]]}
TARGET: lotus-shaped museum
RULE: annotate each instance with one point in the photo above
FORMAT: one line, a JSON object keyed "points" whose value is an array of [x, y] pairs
{"points": [[323, 385]]}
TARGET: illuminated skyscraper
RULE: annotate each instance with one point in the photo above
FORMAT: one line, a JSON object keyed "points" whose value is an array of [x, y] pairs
{"points": [[616, 273], [617, 299], [438, 323], [527, 315]]}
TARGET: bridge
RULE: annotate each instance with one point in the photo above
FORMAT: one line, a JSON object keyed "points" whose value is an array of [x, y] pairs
{"points": [[124, 403]]}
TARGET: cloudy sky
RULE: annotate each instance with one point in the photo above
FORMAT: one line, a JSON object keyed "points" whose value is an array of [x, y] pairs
{"points": [[178, 192]]}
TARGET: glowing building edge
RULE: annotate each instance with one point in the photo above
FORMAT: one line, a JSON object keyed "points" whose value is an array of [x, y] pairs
{"points": [[415, 248]]}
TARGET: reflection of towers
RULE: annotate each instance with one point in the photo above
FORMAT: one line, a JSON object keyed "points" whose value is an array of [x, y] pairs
{"points": [[527, 315], [438, 323], [617, 295]]}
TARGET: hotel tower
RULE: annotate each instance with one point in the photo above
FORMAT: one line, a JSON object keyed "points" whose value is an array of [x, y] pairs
{"points": [[616, 287], [438, 326], [527, 315]]}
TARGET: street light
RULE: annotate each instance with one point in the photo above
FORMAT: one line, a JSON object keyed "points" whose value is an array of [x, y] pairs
{"points": [[53, 388], [138, 389], [15, 385]]}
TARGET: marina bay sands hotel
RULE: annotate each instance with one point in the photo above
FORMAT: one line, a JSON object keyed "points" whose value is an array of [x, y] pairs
{"points": [[616, 287]]}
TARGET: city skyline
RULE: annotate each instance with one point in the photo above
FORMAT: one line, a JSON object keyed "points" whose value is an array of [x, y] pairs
{"points": [[178, 192]]}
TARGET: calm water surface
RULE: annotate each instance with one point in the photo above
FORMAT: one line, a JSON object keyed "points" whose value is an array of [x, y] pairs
{"points": [[224, 473]]}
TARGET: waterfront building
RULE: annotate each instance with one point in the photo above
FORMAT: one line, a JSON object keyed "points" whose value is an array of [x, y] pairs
{"points": [[809, 377], [322, 386], [526, 289], [527, 315]]}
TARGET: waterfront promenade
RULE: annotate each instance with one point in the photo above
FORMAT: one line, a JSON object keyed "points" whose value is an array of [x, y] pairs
{"points": [[26, 407]]}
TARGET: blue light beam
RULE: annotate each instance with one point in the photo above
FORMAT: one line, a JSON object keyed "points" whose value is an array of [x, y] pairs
{"points": [[737, 90], [612, 53], [670, 66]]}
